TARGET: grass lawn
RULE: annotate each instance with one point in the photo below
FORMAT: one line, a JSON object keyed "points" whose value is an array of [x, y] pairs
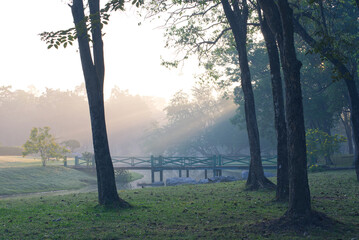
{"points": [[40, 179], [211, 211], [26, 175], [28, 161]]}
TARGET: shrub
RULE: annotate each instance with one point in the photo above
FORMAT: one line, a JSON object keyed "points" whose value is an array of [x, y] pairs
{"points": [[321, 144], [317, 168], [122, 176]]}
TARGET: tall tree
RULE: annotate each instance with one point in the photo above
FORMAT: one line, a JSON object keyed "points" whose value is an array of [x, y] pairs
{"points": [[43, 143], [337, 47], [280, 20], [282, 191], [237, 18], [94, 73]]}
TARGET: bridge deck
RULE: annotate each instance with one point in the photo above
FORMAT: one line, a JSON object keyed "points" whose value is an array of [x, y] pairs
{"points": [[243, 167], [160, 164]]}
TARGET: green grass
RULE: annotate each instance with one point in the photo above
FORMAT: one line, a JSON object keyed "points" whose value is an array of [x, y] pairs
{"points": [[40, 179], [20, 180], [213, 211], [19, 161], [135, 176]]}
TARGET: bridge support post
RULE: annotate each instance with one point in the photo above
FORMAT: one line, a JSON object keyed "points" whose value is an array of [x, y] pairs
{"points": [[76, 160], [205, 174], [219, 171], [214, 157], [180, 173], [152, 176], [152, 169], [187, 173], [93, 161], [161, 176]]}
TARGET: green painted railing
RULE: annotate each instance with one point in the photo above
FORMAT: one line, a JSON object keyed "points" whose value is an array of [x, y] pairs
{"points": [[180, 162]]}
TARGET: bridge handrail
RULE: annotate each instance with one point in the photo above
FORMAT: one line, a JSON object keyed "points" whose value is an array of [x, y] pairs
{"points": [[181, 161]]}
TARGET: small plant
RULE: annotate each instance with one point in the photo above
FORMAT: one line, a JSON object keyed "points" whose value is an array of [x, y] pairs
{"points": [[317, 168], [43, 143], [122, 176], [88, 156], [321, 144]]}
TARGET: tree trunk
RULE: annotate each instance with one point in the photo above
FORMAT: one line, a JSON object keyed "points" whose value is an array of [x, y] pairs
{"points": [[237, 19], [356, 161], [328, 157], [345, 118], [282, 191], [94, 79], [349, 80], [280, 21], [299, 194]]}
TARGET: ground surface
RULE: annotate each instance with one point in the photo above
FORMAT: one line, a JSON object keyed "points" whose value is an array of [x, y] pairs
{"points": [[20, 176], [213, 211]]}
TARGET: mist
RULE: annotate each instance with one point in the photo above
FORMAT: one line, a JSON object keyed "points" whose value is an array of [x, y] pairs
{"points": [[67, 114]]}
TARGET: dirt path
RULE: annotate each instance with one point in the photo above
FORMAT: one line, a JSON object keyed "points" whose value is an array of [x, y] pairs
{"points": [[87, 189], [91, 188]]}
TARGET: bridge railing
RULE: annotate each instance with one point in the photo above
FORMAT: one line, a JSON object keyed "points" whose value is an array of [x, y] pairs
{"points": [[82, 161], [132, 161], [179, 162], [183, 162]]}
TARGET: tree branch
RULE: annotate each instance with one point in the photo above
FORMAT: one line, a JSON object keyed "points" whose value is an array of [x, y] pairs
{"points": [[97, 41]]}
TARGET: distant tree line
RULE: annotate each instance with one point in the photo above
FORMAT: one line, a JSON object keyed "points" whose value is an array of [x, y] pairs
{"points": [[66, 112]]}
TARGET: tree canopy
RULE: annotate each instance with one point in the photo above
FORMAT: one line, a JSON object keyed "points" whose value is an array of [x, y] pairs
{"points": [[43, 143]]}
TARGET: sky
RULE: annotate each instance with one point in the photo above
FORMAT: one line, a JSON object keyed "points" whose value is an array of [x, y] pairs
{"points": [[132, 52]]}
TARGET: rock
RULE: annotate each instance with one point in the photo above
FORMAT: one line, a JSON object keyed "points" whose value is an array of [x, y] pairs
{"points": [[203, 181], [266, 174], [155, 184], [245, 174], [269, 174], [222, 179], [179, 181]]}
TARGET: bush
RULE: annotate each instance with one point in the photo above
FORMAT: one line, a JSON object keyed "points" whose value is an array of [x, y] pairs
{"points": [[122, 176], [320, 144], [317, 168]]}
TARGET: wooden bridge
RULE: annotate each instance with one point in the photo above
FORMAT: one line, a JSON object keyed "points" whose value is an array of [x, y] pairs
{"points": [[215, 163]]}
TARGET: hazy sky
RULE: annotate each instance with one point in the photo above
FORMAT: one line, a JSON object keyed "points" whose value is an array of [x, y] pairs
{"points": [[132, 52]]}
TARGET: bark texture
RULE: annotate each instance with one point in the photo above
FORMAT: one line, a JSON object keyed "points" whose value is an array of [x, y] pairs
{"points": [[237, 19], [280, 20], [94, 72], [299, 194], [345, 118], [282, 191]]}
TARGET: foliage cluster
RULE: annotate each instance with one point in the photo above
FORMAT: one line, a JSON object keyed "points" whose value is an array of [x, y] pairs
{"points": [[124, 176], [69, 36], [321, 144], [317, 168], [67, 113], [197, 124], [199, 27], [88, 156], [43, 143]]}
